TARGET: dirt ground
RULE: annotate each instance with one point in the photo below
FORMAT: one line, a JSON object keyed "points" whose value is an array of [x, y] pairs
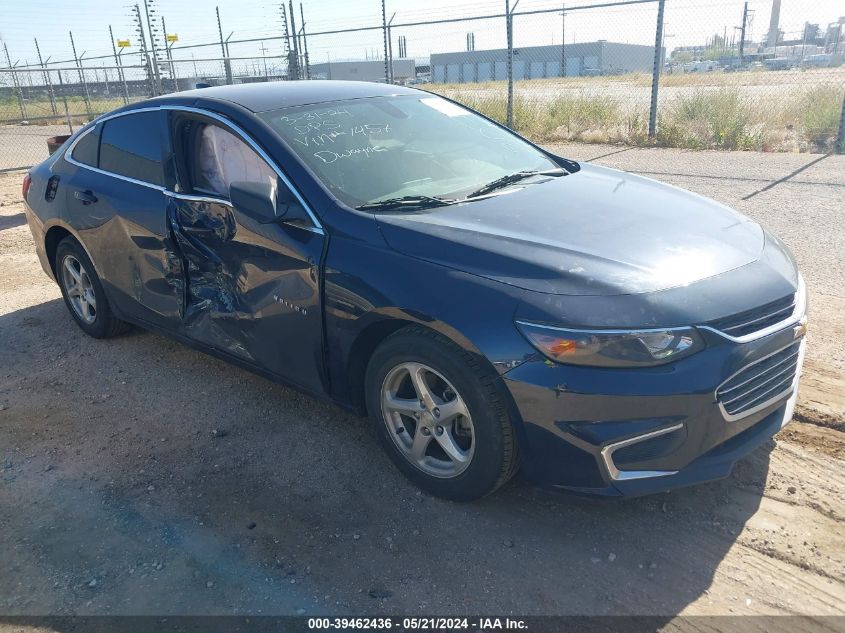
{"points": [[141, 477]]}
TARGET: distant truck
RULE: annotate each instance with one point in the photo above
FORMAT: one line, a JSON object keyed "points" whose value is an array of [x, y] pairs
{"points": [[704, 66]]}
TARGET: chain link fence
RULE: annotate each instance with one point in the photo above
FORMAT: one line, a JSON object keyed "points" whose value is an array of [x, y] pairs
{"points": [[696, 74]]}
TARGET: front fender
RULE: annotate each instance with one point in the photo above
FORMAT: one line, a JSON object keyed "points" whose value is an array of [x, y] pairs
{"points": [[475, 313]]}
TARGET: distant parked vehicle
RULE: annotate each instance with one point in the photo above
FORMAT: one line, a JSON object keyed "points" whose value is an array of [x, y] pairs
{"points": [[780, 63], [823, 60]]}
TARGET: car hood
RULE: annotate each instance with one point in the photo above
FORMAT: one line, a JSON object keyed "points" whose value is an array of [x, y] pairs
{"points": [[598, 231]]}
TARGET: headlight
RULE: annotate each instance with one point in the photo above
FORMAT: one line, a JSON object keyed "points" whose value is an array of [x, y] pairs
{"points": [[612, 348], [801, 297]]}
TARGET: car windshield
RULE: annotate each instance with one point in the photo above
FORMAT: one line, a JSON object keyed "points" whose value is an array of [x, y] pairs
{"points": [[403, 149]]}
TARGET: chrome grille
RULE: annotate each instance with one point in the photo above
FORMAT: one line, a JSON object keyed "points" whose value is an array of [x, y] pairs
{"points": [[754, 320], [759, 384]]}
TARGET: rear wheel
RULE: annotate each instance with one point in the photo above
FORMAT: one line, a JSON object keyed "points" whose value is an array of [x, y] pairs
{"points": [[83, 293], [440, 415]]}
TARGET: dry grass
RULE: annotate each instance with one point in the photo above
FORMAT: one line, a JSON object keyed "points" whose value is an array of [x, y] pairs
{"points": [[37, 110], [704, 117]]}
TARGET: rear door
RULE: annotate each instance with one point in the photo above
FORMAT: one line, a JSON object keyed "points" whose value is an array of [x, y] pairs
{"points": [[253, 290], [116, 200]]}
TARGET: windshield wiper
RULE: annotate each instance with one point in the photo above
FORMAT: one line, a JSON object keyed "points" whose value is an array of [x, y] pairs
{"points": [[504, 181], [417, 202]]}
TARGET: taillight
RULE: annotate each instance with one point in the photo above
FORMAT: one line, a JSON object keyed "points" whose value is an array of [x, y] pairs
{"points": [[27, 181]]}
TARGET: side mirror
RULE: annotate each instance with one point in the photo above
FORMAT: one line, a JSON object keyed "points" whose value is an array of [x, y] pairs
{"points": [[289, 207], [256, 200]]}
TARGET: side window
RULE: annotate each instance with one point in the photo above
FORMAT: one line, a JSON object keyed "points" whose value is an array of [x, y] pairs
{"points": [[87, 147], [131, 146], [218, 158]]}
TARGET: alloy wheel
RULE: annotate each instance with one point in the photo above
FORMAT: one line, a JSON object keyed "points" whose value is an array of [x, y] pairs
{"points": [[428, 420], [79, 289]]}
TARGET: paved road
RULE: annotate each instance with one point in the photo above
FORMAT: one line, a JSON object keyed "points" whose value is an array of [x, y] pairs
{"points": [[25, 145], [138, 476]]}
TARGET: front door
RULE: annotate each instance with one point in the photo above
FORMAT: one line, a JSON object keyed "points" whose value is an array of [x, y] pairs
{"points": [[252, 289]]}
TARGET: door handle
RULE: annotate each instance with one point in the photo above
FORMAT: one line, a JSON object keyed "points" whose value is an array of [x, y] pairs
{"points": [[86, 197]]}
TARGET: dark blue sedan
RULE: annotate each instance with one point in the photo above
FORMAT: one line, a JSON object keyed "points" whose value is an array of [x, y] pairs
{"points": [[488, 304]]}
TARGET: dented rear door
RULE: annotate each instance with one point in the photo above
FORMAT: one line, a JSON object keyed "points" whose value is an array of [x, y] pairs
{"points": [[118, 206]]}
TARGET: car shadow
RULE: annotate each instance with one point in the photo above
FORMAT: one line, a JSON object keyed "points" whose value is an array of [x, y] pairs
{"points": [[148, 478], [12, 221]]}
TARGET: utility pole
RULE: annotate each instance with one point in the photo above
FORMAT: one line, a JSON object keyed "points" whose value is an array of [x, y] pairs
{"points": [[655, 74], [81, 76], [47, 81], [286, 50], [509, 27], [563, 41], [390, 45], [307, 65], [384, 30], [294, 72], [227, 67], [742, 33]]}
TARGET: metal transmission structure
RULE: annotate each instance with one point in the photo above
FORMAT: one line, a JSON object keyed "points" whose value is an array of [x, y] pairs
{"points": [[291, 45], [142, 39], [151, 12], [285, 30], [306, 65]]}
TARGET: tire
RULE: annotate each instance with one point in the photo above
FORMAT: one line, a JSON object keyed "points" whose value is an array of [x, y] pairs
{"points": [[83, 293], [466, 457]]}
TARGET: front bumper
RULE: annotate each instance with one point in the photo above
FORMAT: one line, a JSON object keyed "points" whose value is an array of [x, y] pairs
{"points": [[638, 431]]}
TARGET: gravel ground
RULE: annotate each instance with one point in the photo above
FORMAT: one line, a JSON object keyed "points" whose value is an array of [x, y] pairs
{"points": [[139, 476]]}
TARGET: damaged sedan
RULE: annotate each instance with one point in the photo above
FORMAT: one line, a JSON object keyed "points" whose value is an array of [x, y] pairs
{"points": [[488, 304]]}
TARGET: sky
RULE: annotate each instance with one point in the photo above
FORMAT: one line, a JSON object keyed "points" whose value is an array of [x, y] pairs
{"points": [[194, 21]]}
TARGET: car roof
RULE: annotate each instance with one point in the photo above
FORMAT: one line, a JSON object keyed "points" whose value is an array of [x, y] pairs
{"points": [[261, 97]]}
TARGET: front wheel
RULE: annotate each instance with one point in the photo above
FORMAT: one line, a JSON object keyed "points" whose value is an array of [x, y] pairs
{"points": [[440, 415]]}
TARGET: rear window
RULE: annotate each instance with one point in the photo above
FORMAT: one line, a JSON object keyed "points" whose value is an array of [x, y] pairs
{"points": [[131, 146], [86, 148]]}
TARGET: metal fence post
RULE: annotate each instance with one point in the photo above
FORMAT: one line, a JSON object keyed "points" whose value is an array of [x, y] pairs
{"points": [[509, 27], [227, 66], [46, 79], [655, 74], [120, 76], [390, 46], [840, 137], [15, 82], [81, 76], [64, 100]]}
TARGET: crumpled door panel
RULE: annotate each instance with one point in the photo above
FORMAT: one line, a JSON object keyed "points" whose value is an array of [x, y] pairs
{"points": [[251, 289]]}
